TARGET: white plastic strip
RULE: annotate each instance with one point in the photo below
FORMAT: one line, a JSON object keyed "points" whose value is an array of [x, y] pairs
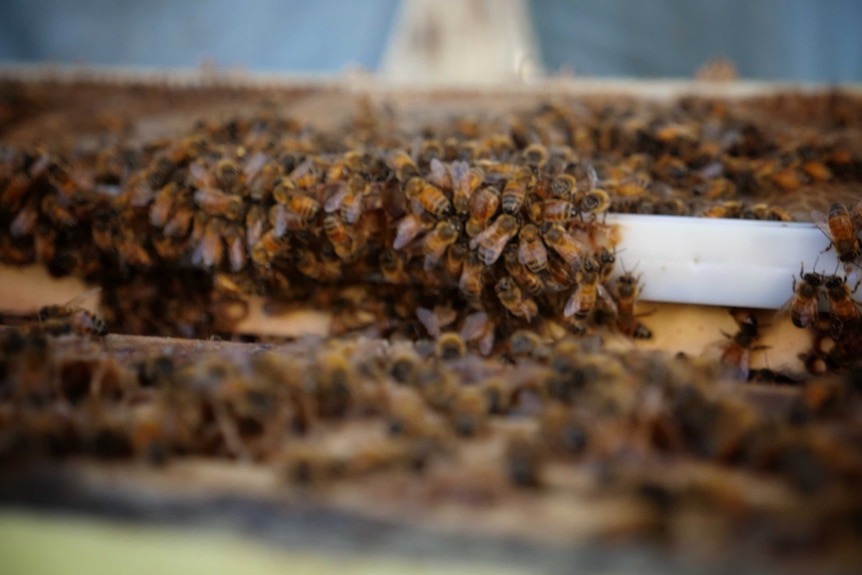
{"points": [[744, 263]]}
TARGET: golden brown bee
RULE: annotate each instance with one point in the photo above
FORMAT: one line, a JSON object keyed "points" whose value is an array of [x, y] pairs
{"points": [[483, 207], [469, 412], [441, 237], [564, 244], [266, 248], [515, 190], [803, 304], [403, 166], [440, 175], [236, 249], [554, 211], [227, 174], [607, 260], [210, 250], [627, 290], [301, 206], [494, 238], [595, 201], [409, 228], [524, 461], [716, 189], [817, 171], [532, 252], [472, 280], [523, 276], [729, 209], [456, 254], [337, 233], [513, 300], [349, 200], [450, 346], [163, 204], [583, 300], [70, 318], [629, 187], [839, 229], [535, 156], [427, 197], [466, 181], [392, 266], [736, 350], [670, 168], [562, 187], [255, 223], [217, 203], [130, 250], [321, 269], [59, 215], [845, 310]]}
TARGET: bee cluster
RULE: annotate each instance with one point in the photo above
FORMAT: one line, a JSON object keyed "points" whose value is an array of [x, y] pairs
{"points": [[497, 216]]}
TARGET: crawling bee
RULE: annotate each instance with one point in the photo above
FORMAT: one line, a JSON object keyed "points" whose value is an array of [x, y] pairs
{"points": [[583, 300], [70, 318], [627, 290], [466, 181], [217, 203], [441, 237], [564, 244], [838, 227], [483, 206], [532, 252], [427, 198], [515, 190], [802, 305], [845, 310], [493, 240], [513, 300]]}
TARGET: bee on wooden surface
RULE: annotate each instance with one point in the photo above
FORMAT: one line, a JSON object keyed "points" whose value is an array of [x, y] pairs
{"points": [[70, 318], [449, 346], [483, 207], [735, 352], [513, 300], [803, 304], [437, 241], [466, 181], [846, 314], [564, 244], [428, 198], [627, 290], [266, 248], [838, 227], [515, 190], [472, 280], [409, 228], [217, 203], [493, 239], [403, 166], [583, 300], [337, 233]]}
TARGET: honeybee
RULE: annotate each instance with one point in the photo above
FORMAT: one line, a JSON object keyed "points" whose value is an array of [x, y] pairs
{"points": [[441, 237], [629, 187], [817, 171], [70, 318], [59, 215], [163, 204], [583, 300], [266, 248], [210, 250], [349, 200], [483, 207], [337, 233], [217, 203], [607, 259], [469, 413], [255, 222], [594, 202], [839, 229], [450, 345], [456, 254], [564, 244], [494, 238], [427, 197], [409, 228], [466, 181], [392, 266], [25, 222], [554, 211], [513, 300], [302, 206], [523, 276], [532, 252], [227, 174], [627, 290], [515, 190], [321, 269], [802, 305], [729, 209], [440, 175], [535, 156], [845, 310], [403, 166], [236, 250], [429, 150], [130, 250], [736, 351], [472, 280], [716, 189]]}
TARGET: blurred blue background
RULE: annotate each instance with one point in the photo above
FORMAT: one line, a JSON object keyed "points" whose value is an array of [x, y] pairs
{"points": [[804, 40]]}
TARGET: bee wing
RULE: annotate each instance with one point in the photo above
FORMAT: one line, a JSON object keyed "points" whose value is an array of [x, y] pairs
{"points": [[429, 320], [481, 236], [572, 303], [334, 201], [79, 298], [603, 293], [474, 325], [460, 171], [822, 222], [439, 173]]}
